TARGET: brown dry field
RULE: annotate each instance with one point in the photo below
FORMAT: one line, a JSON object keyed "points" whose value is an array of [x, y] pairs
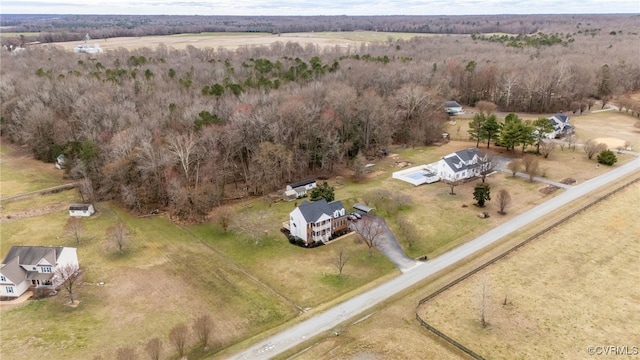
{"points": [[232, 41], [575, 277], [575, 287]]}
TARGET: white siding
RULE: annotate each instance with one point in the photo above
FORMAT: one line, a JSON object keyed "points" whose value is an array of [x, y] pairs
{"points": [[297, 224], [18, 289]]}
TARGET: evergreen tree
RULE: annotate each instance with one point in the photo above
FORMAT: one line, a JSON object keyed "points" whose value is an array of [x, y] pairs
{"points": [[323, 191], [541, 127], [476, 128], [491, 128], [482, 193], [607, 157]]}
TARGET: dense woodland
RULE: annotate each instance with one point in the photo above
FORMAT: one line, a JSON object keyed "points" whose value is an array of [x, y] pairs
{"points": [[178, 129]]}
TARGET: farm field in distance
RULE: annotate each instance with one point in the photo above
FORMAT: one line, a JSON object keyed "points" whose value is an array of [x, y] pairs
{"points": [[232, 41]]}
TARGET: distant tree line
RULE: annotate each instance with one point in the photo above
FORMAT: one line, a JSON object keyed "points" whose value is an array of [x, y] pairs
{"points": [[57, 28]]}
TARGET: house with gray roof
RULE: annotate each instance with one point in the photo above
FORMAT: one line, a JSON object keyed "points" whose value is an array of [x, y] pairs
{"points": [[452, 107], [318, 221], [300, 187], [561, 126], [460, 165], [27, 267]]}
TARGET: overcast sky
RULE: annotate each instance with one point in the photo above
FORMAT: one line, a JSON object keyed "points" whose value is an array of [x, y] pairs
{"points": [[308, 7]]}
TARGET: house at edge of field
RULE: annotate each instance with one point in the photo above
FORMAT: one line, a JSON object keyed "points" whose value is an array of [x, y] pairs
{"points": [[561, 126], [27, 267], [318, 221], [460, 165], [301, 187], [452, 108]]}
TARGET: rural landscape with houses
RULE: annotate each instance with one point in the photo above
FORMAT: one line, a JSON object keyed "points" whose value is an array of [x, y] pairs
{"points": [[172, 162]]}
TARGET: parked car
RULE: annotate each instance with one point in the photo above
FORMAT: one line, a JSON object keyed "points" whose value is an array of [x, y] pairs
{"points": [[352, 218], [356, 215]]}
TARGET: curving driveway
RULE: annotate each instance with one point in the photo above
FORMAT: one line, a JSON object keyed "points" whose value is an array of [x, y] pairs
{"points": [[388, 245], [331, 318]]}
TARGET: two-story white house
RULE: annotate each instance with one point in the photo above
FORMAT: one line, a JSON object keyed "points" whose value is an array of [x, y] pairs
{"points": [[25, 267], [317, 220], [460, 165]]}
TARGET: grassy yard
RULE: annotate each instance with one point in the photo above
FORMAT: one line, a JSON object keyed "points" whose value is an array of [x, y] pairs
{"points": [[172, 274], [168, 275]]}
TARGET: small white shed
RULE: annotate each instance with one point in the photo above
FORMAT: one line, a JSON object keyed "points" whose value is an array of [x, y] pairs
{"points": [[83, 210]]}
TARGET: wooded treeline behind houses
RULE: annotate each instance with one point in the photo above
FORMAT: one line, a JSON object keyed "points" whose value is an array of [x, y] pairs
{"points": [[166, 128]]}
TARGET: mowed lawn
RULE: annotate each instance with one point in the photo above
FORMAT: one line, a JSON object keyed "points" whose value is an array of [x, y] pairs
{"points": [[575, 287]]}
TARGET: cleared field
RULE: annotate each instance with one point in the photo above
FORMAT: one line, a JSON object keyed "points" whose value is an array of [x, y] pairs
{"points": [[168, 275], [573, 288], [232, 41]]}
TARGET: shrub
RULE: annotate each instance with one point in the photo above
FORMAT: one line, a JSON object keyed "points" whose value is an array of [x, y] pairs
{"points": [[607, 157]]}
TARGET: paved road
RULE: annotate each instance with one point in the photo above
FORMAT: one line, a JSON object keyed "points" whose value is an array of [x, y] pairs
{"points": [[329, 319]]}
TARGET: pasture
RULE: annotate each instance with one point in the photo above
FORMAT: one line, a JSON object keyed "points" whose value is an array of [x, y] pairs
{"points": [[573, 288], [233, 41]]}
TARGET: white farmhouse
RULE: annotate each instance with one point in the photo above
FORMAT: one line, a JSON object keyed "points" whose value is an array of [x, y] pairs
{"points": [[25, 267], [460, 165]]}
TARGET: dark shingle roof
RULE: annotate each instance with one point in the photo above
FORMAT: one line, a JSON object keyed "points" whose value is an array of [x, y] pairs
{"points": [[312, 211], [302, 183], [561, 117], [31, 255], [458, 161], [82, 207]]}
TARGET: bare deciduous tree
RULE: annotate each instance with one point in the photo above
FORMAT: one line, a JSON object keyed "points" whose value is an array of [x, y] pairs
{"points": [[371, 231], [75, 228], [484, 302], [126, 353], [486, 165], [531, 165], [178, 337], [340, 259], [593, 148], [547, 147], [202, 328], [408, 230], [514, 166], [452, 184], [118, 237], [154, 348], [184, 148], [571, 141], [358, 166], [68, 276], [252, 225], [225, 218], [486, 107], [504, 199]]}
